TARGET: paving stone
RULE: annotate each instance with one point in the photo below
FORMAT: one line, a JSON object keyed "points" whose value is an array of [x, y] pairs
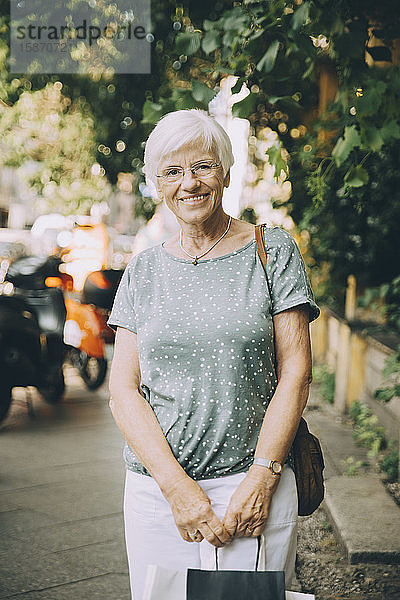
{"points": [[63, 567], [365, 518], [108, 586]]}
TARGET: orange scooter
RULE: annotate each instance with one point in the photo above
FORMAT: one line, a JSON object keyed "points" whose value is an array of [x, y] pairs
{"points": [[86, 331], [83, 334]]}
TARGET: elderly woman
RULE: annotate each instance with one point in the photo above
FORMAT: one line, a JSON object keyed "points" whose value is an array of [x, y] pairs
{"points": [[210, 373]]}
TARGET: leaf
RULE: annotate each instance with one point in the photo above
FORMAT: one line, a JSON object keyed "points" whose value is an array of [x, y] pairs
{"points": [[274, 99], [275, 159], [152, 112], [210, 41], [218, 69], [236, 19], [229, 37], [202, 93], [245, 107], [238, 85], [351, 42], [301, 15], [346, 144], [356, 177], [286, 101], [184, 100], [267, 62], [188, 43], [208, 25], [390, 131], [371, 139], [370, 101]]}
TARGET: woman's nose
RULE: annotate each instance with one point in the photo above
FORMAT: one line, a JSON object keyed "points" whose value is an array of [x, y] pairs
{"points": [[190, 181]]}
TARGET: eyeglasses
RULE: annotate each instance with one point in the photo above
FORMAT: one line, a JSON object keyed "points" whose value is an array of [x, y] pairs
{"points": [[200, 171]]}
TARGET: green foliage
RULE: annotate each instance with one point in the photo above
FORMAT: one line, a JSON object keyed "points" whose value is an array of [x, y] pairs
{"points": [[389, 464], [392, 367], [51, 143], [267, 63], [346, 193], [353, 229], [246, 107], [366, 431], [188, 43], [345, 144], [356, 177], [386, 394], [326, 382], [274, 154], [352, 466], [391, 294]]}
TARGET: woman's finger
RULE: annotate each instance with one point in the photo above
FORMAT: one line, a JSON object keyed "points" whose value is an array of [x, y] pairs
{"points": [[210, 536], [218, 537], [219, 530], [230, 523], [258, 530], [194, 535]]}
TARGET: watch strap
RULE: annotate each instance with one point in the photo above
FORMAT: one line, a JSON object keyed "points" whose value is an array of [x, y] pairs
{"points": [[269, 464]]}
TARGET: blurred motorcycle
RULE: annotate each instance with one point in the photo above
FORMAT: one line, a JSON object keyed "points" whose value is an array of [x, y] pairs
{"points": [[32, 319], [42, 321]]}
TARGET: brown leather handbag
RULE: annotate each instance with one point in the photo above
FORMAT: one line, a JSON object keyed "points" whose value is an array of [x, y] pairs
{"points": [[306, 449]]}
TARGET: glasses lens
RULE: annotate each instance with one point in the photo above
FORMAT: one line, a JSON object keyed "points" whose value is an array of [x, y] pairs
{"points": [[173, 174], [202, 170]]}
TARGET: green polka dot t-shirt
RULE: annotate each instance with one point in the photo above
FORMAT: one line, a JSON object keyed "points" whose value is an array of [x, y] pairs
{"points": [[205, 343]]}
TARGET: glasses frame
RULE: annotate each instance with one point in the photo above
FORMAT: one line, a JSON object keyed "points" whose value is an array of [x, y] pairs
{"points": [[180, 178]]}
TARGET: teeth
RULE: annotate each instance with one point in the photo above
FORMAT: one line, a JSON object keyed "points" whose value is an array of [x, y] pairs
{"points": [[194, 198]]}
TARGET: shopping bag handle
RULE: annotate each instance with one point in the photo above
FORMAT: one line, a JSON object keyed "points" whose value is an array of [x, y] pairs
{"points": [[257, 557]]}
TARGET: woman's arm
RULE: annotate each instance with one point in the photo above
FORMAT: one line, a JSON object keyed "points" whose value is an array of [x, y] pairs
{"points": [[135, 418], [249, 506]]}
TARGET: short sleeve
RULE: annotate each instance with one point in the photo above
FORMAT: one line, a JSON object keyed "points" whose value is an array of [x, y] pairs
{"points": [[123, 310], [288, 281]]}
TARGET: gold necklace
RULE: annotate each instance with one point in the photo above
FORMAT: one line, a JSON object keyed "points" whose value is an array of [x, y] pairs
{"points": [[195, 259]]}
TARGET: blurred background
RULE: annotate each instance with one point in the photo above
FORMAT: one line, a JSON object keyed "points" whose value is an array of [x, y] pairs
{"points": [[309, 93]]}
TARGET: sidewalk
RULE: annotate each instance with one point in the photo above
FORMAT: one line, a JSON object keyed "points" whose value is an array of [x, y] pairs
{"points": [[61, 492], [365, 517]]}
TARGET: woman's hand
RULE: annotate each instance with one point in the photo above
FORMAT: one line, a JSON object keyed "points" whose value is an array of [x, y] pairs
{"points": [[192, 512], [248, 509]]}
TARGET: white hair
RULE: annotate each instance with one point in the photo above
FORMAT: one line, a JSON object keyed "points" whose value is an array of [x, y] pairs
{"points": [[181, 127]]}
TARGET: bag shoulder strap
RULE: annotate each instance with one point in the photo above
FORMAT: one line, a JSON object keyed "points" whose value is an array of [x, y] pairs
{"points": [[261, 249], [262, 253]]}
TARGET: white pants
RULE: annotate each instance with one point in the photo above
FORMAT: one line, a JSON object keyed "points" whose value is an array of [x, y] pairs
{"points": [[152, 537]]}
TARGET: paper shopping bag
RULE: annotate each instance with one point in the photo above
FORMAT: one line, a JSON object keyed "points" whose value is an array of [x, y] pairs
{"points": [[196, 584], [169, 584], [235, 585]]}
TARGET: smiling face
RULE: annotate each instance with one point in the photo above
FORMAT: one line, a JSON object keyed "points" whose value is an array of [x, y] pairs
{"points": [[192, 199]]}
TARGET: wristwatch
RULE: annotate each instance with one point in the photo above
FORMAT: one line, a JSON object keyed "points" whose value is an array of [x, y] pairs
{"points": [[273, 465]]}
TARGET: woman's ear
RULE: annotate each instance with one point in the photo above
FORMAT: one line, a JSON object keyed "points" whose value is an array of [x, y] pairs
{"points": [[227, 179]]}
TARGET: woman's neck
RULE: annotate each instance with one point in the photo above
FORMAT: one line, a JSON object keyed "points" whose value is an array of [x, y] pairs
{"points": [[198, 236]]}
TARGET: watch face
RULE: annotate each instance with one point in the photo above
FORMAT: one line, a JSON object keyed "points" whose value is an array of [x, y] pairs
{"points": [[276, 467]]}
